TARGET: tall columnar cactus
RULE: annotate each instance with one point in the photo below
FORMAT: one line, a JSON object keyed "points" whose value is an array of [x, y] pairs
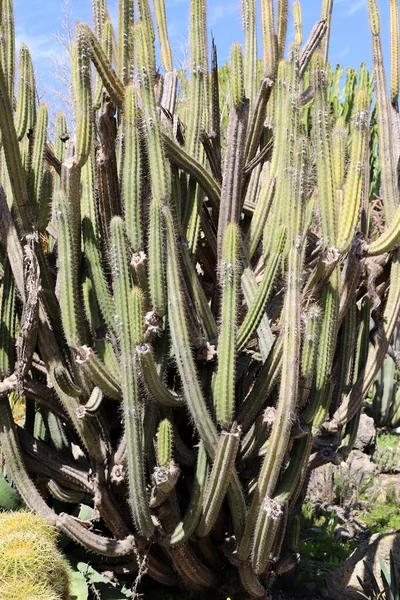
{"points": [[185, 294]]}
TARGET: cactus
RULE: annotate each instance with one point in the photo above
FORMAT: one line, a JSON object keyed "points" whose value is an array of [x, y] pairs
{"points": [[204, 319]]}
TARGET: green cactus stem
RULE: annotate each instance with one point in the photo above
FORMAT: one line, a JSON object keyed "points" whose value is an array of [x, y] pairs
{"points": [[219, 479], [25, 117], [132, 408], [154, 383]]}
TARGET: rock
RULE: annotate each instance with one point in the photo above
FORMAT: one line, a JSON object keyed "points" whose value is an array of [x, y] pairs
{"points": [[360, 465], [366, 434], [342, 584]]}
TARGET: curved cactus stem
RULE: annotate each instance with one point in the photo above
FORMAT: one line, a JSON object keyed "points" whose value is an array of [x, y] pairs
{"points": [[251, 583], [389, 239], [219, 479], [107, 74], [185, 528], [257, 307], [98, 372], [12, 454], [154, 383]]}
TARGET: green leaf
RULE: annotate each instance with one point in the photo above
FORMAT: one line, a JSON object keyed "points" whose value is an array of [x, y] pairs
{"points": [[9, 497]]}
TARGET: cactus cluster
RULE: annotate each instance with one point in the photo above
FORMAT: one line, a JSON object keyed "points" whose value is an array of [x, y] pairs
{"points": [[187, 306]]}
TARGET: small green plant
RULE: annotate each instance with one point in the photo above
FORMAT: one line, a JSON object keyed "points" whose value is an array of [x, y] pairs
{"points": [[387, 590], [387, 454]]}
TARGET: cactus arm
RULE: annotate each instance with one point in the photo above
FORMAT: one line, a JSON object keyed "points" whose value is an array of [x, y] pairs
{"points": [[256, 121], [132, 408], [389, 239], [179, 157], [203, 309], [250, 48], [68, 270], [350, 208], [131, 170], [94, 265], [257, 307], [219, 479], [181, 343], [36, 175], [26, 110], [153, 380], [232, 182], [277, 444], [161, 20], [388, 161], [125, 41], [394, 54], [13, 157], [326, 15], [7, 46], [298, 23], [7, 324], [12, 454], [94, 542], [156, 257], [164, 443], [82, 94], [250, 289], [281, 26], [98, 372], [261, 211], [251, 582], [224, 392], [324, 153], [270, 45], [107, 74]]}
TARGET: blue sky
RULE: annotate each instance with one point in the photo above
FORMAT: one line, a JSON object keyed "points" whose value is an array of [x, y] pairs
{"points": [[38, 22]]}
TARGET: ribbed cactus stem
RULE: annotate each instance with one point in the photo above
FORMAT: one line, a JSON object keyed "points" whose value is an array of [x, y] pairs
{"points": [[155, 385], [281, 26], [339, 143], [125, 41], [237, 76], [7, 324], [7, 45], [131, 170], [161, 20], [164, 443], [99, 373], [71, 314], [82, 92], [36, 175], [298, 23], [270, 45], [388, 162], [181, 343], [350, 208], [250, 48], [324, 150], [229, 277], [26, 102], [394, 53], [326, 15], [127, 315], [100, 60], [159, 172], [219, 479], [390, 238]]}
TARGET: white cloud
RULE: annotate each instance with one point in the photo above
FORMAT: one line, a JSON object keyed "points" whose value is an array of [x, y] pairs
{"points": [[216, 12]]}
